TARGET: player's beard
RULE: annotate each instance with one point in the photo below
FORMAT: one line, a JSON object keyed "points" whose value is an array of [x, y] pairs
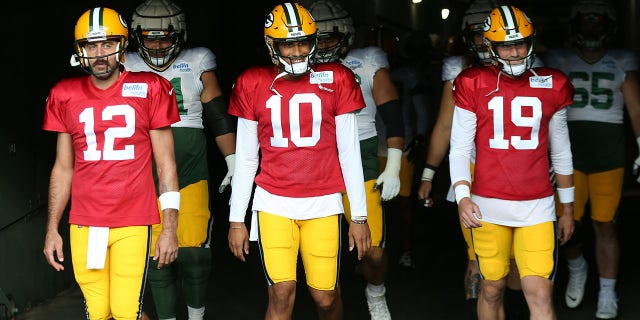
{"points": [[103, 69]]}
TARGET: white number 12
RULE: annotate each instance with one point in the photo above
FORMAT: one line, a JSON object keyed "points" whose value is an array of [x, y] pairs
{"points": [[110, 135]]}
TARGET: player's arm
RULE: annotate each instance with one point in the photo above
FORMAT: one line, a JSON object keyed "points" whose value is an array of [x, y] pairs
{"points": [[351, 165], [439, 141], [247, 161], [59, 193], [166, 250], [631, 94], [463, 131], [388, 105], [562, 163], [218, 123]]}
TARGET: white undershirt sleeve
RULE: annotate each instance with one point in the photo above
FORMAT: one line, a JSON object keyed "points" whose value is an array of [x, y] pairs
{"points": [[463, 132], [246, 166], [559, 143], [351, 163]]}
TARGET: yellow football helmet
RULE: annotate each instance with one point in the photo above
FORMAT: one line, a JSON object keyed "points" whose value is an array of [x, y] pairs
{"points": [[508, 25], [290, 22], [333, 22], [99, 24], [159, 19]]}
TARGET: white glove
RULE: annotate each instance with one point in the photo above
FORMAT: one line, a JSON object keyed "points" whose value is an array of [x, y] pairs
{"points": [[390, 177], [636, 164], [231, 164]]}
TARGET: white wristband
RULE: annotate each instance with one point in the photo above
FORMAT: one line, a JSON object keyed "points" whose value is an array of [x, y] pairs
{"points": [[170, 200], [427, 174], [462, 191], [566, 195]]}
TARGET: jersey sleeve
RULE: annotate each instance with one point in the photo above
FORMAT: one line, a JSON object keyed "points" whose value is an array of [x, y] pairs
{"points": [[462, 85], [52, 120], [207, 59], [164, 103], [239, 102], [565, 92], [377, 58]]}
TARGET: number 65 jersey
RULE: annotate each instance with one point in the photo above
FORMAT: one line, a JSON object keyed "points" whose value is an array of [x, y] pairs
{"points": [[512, 128], [112, 180]]}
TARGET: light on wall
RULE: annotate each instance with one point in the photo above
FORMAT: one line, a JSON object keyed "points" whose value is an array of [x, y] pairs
{"points": [[444, 13], [416, 1]]}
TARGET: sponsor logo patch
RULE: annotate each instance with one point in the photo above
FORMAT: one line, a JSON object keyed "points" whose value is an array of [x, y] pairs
{"points": [[135, 90], [321, 77], [541, 82]]}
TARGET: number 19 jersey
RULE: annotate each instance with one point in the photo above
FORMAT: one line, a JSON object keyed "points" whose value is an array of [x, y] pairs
{"points": [[512, 132]]}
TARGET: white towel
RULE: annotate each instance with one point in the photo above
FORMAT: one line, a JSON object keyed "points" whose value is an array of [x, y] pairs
{"points": [[97, 247]]}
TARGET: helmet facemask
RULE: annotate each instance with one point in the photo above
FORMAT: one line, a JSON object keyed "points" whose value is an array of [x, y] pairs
{"points": [[475, 42], [88, 62], [99, 25], [290, 24], [335, 30], [160, 29], [518, 66], [593, 30], [593, 23], [510, 27], [295, 65], [331, 47], [159, 48], [472, 28]]}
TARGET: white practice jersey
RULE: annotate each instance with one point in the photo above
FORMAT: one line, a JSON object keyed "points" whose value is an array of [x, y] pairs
{"points": [[365, 62], [184, 74], [597, 95]]}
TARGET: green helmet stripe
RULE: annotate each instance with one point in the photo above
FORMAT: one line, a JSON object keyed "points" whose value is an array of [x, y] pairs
{"points": [[292, 16], [95, 19]]}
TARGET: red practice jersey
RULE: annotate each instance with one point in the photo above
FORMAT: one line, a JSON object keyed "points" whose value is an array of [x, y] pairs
{"points": [[112, 181], [512, 133], [296, 126]]}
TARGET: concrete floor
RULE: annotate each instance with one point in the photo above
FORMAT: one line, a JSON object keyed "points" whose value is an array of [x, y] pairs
{"points": [[434, 290]]}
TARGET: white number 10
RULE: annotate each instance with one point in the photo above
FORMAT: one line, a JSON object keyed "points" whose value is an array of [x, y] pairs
{"points": [[275, 104]]}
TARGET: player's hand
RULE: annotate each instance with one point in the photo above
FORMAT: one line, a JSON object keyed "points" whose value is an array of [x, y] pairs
{"points": [[390, 177], [424, 193], [360, 238], [231, 163], [566, 223], [53, 250], [469, 212], [238, 240], [166, 248]]}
